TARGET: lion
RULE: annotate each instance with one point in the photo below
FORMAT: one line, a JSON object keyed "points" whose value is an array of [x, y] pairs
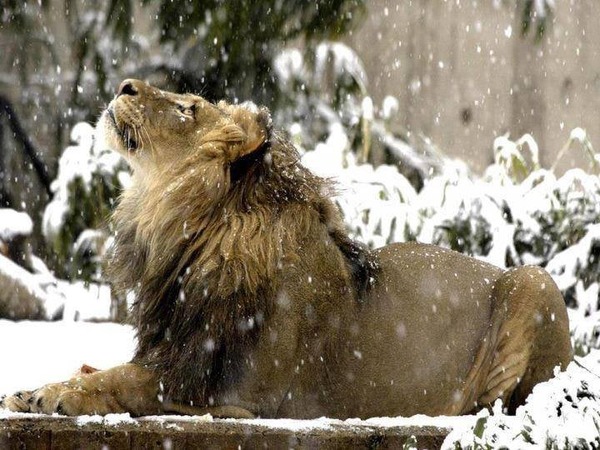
{"points": [[253, 301]]}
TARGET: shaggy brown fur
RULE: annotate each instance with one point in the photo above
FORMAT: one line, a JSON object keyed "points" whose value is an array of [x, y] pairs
{"points": [[252, 300]]}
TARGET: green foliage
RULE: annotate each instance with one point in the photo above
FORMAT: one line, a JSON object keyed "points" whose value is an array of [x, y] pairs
{"points": [[237, 40], [119, 16], [468, 235], [479, 426], [222, 49], [534, 18], [410, 443], [261, 21]]}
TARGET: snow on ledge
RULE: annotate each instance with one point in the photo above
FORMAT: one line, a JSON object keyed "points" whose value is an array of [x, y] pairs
{"points": [[108, 420], [294, 425], [324, 423]]}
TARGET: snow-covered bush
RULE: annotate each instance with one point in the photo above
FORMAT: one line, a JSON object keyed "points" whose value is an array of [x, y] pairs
{"points": [[30, 291], [88, 182], [324, 90], [326, 87], [563, 413], [375, 201]]}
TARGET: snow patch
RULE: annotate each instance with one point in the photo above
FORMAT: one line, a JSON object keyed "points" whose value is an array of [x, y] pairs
{"points": [[14, 223], [321, 423], [172, 418], [36, 353], [563, 412], [111, 420]]}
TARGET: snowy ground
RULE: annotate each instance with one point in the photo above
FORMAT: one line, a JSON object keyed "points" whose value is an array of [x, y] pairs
{"points": [[35, 353]]}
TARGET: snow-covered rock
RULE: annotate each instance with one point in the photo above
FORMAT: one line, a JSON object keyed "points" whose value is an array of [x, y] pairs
{"points": [[14, 223]]}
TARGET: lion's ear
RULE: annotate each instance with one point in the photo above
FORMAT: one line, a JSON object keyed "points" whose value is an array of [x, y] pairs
{"points": [[256, 124]]}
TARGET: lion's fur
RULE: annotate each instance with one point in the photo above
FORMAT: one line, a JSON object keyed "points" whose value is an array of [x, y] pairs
{"points": [[251, 299]]}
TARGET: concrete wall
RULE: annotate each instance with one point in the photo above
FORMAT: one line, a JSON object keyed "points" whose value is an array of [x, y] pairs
{"points": [[464, 74]]}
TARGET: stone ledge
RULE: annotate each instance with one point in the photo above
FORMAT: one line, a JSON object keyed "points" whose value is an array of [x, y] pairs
{"points": [[63, 433]]}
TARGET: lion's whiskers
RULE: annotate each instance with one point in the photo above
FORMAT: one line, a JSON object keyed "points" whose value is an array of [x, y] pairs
{"points": [[137, 136], [143, 128], [128, 139]]}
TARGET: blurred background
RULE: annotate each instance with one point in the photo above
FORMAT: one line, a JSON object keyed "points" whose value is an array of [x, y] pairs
{"points": [[495, 91], [462, 73]]}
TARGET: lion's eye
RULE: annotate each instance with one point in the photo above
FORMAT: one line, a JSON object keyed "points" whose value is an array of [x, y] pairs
{"points": [[189, 110]]}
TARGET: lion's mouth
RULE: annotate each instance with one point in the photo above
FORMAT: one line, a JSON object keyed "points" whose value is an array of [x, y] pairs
{"points": [[127, 133]]}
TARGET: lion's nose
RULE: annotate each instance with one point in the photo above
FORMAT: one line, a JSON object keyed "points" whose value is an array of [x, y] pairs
{"points": [[129, 87]]}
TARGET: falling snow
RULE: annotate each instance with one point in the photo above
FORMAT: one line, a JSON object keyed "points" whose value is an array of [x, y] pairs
{"points": [[516, 212]]}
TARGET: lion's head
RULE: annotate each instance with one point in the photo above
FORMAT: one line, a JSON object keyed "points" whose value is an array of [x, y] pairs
{"points": [[154, 128]]}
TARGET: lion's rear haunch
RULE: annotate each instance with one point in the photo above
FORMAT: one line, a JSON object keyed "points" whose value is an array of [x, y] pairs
{"points": [[249, 292]]}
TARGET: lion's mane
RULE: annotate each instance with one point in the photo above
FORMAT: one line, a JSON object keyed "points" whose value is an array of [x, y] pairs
{"points": [[203, 247]]}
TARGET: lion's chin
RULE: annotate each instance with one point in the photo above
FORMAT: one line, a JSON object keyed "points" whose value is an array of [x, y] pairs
{"points": [[108, 135]]}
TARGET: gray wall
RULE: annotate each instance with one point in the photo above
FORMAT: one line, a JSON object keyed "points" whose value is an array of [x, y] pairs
{"points": [[464, 74]]}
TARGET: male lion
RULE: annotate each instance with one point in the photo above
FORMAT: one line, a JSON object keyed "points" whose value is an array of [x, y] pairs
{"points": [[251, 300]]}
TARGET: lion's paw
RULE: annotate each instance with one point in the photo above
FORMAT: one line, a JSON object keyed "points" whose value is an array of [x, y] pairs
{"points": [[53, 398], [18, 402], [48, 399], [66, 400]]}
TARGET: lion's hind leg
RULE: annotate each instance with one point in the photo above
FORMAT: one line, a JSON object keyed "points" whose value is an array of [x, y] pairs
{"points": [[507, 369], [533, 338]]}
